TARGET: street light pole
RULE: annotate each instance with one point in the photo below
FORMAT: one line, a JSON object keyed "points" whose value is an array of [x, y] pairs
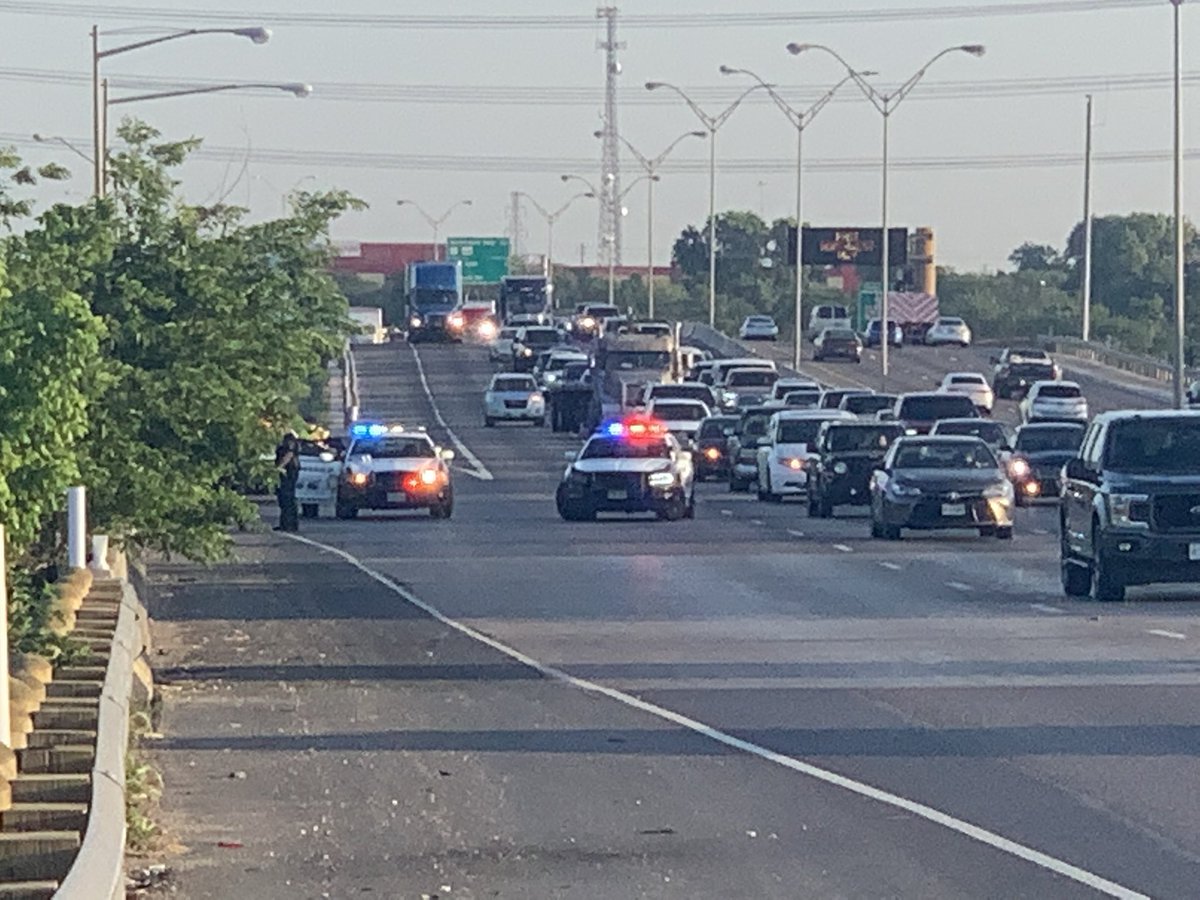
{"points": [[621, 211], [712, 124], [435, 224], [99, 126], [885, 105], [1180, 372], [1087, 227], [551, 218], [800, 121]]}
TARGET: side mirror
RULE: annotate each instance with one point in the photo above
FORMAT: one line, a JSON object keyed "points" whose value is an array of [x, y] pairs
{"points": [[447, 455], [1079, 470], [569, 455]]}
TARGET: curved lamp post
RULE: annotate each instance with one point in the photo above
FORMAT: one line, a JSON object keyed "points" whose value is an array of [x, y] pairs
{"points": [[435, 224]]}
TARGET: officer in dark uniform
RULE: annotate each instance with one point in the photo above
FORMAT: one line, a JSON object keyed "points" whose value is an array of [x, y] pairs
{"points": [[287, 461]]}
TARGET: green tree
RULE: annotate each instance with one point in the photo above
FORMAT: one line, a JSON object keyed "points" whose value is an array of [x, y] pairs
{"points": [[1030, 257]]}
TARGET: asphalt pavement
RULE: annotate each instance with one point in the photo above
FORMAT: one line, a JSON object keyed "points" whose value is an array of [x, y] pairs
{"points": [[751, 704]]}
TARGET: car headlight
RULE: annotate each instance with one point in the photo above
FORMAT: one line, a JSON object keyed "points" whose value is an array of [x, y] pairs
{"points": [[792, 462], [536, 397], [1002, 491], [429, 476], [712, 454], [526, 351], [551, 377], [900, 489], [415, 321], [358, 479], [487, 330], [910, 431], [1018, 468], [840, 468], [587, 322], [1129, 510], [662, 479], [456, 320]]}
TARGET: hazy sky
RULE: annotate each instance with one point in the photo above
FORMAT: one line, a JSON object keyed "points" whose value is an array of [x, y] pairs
{"points": [[370, 146]]}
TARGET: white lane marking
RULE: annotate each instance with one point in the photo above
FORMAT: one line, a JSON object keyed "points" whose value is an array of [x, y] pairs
{"points": [[959, 586], [478, 469], [1047, 608], [862, 789], [758, 522], [727, 512], [895, 567], [1041, 531], [795, 534], [1174, 635], [842, 548]]}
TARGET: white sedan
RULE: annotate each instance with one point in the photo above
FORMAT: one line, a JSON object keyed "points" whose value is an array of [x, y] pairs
{"points": [[680, 416], [513, 398], [788, 448], [759, 328], [973, 385], [500, 347], [948, 330], [1054, 401]]}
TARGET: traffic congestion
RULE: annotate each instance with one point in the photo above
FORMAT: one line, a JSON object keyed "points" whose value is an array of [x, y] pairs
{"points": [[656, 420]]}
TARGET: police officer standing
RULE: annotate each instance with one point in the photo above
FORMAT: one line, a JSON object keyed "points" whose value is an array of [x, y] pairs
{"points": [[287, 461]]}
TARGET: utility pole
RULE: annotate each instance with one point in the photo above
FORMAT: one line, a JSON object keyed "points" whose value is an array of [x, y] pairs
{"points": [[609, 230], [515, 224], [1087, 227]]}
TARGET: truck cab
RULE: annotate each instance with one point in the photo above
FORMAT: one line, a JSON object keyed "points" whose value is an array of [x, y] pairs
{"points": [[435, 302], [624, 365]]}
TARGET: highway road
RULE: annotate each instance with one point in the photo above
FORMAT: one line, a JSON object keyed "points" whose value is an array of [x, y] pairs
{"points": [[749, 705]]}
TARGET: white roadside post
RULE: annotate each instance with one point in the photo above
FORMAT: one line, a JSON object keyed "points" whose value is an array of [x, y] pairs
{"points": [[100, 553], [76, 527], [5, 719]]}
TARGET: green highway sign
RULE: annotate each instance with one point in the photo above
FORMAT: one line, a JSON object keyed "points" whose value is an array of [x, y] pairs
{"points": [[484, 259]]}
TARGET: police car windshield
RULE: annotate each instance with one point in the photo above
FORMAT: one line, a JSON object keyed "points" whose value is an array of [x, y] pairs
{"points": [[394, 448], [622, 448]]}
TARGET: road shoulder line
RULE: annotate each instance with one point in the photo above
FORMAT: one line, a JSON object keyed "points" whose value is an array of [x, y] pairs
{"points": [[478, 469], [920, 810]]}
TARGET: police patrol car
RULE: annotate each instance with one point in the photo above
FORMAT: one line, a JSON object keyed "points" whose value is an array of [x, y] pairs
{"points": [[629, 466], [389, 466]]}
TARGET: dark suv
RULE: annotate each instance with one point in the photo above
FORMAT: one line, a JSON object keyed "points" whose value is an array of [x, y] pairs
{"points": [[1131, 504], [847, 455], [1016, 369]]}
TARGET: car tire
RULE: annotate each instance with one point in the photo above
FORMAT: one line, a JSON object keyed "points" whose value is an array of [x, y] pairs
{"points": [[674, 511], [344, 511], [1076, 576], [1107, 585], [825, 509], [1004, 532], [987, 531], [890, 532], [310, 510], [1019, 500], [489, 422], [876, 528]]}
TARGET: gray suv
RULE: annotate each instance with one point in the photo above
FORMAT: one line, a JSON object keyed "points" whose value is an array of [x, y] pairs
{"points": [[1131, 504]]}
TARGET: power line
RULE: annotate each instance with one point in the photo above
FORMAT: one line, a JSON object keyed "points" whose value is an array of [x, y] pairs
{"points": [[879, 15], [584, 95], [547, 165]]}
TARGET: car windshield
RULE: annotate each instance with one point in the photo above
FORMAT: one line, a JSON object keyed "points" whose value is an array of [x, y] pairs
{"points": [[540, 337], [802, 399], [681, 392], [394, 448], [574, 371], [637, 359], [924, 409], [1043, 438], [852, 438], [989, 432], [755, 426], [678, 412], [950, 323], [621, 448], [1167, 446], [1033, 370], [839, 334], [760, 320], [602, 312], [865, 404], [514, 383], [945, 455], [1029, 355], [1059, 391], [799, 431], [756, 378], [506, 334], [784, 387], [716, 427]]}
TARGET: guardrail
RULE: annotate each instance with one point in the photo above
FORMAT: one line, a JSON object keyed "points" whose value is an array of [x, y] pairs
{"points": [[1094, 351], [98, 872], [350, 397]]}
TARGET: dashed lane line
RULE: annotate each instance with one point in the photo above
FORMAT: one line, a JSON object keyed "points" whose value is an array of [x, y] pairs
{"points": [[895, 567], [727, 512], [1047, 608], [912, 807], [842, 548], [1174, 635], [795, 534], [478, 469], [959, 586]]}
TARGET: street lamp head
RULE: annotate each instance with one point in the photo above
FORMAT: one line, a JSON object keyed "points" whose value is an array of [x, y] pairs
{"points": [[258, 35], [597, 134], [610, 177], [729, 70], [654, 85], [403, 202], [588, 195], [565, 177], [468, 202], [297, 89], [869, 73], [699, 134], [796, 49], [973, 49]]}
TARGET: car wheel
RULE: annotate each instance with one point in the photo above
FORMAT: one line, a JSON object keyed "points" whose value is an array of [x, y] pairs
{"points": [[890, 532], [310, 510], [825, 509], [1076, 576], [1020, 500], [814, 509], [674, 511], [876, 528], [539, 423], [1004, 532], [489, 422], [987, 531], [1107, 585], [344, 511]]}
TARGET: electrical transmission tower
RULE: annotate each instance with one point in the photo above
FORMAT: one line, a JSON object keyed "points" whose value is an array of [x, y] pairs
{"points": [[610, 162]]}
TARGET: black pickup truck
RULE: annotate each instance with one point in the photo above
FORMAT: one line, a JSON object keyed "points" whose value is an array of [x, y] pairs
{"points": [[1130, 509]]}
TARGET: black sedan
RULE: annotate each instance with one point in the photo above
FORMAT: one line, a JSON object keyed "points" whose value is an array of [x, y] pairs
{"points": [[941, 482], [1039, 453], [847, 455], [712, 446]]}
